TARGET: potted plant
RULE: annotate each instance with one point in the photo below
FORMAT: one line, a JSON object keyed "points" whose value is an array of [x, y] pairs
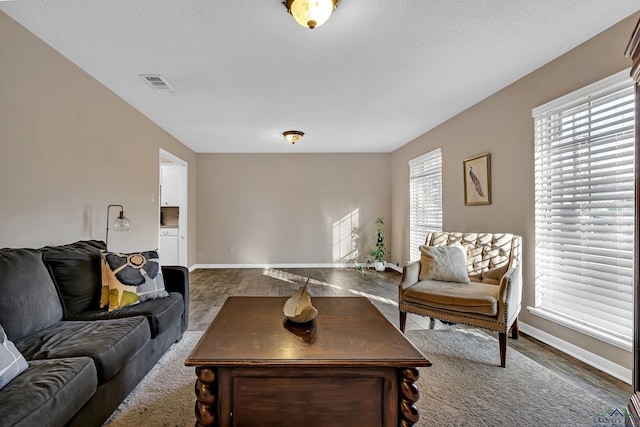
{"points": [[380, 249]]}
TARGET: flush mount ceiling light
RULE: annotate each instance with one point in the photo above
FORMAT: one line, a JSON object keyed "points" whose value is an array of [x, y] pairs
{"points": [[293, 136], [311, 13]]}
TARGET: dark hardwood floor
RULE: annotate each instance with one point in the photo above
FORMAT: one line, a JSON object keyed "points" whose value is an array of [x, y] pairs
{"points": [[210, 288]]}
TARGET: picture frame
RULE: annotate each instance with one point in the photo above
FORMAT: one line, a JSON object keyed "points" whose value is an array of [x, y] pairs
{"points": [[477, 180]]}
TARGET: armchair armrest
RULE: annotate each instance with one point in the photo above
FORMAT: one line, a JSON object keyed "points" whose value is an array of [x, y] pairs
{"points": [[176, 279], [410, 273], [511, 291], [506, 283], [511, 283]]}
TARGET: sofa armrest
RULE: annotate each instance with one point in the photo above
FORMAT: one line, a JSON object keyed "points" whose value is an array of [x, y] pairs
{"points": [[410, 273], [176, 279]]}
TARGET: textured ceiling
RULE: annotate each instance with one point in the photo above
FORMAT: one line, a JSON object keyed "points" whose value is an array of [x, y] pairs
{"points": [[375, 76]]}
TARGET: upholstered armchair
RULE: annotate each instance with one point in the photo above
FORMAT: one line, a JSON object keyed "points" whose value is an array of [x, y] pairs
{"points": [[492, 297]]}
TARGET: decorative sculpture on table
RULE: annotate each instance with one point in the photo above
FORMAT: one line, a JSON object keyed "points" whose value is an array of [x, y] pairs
{"points": [[298, 308], [307, 332]]}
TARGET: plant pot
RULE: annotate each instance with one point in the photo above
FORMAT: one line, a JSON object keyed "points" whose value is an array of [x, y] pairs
{"points": [[379, 265]]}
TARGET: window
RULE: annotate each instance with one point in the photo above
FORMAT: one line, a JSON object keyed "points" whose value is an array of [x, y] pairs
{"points": [[584, 210], [425, 194]]}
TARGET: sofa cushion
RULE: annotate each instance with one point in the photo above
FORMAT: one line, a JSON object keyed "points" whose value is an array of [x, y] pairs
{"points": [[494, 274], [478, 298], [28, 298], [110, 343], [12, 362], [446, 263], [161, 313], [48, 393], [132, 278], [75, 269]]}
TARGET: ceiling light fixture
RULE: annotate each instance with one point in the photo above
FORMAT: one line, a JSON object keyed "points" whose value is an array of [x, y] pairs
{"points": [[293, 136], [311, 13]]}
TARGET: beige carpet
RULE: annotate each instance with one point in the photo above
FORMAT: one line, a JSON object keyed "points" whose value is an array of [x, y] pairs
{"points": [[464, 387]]}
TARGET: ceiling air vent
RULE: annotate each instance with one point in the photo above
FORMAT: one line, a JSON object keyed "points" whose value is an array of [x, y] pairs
{"points": [[157, 82]]}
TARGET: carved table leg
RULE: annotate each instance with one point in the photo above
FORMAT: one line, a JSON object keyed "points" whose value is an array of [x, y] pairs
{"points": [[409, 395], [206, 388]]}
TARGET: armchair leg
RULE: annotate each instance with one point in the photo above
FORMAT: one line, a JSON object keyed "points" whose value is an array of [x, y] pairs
{"points": [[502, 338], [403, 320]]}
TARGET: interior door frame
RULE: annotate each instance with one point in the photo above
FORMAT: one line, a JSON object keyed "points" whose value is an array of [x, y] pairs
{"points": [[184, 198]]}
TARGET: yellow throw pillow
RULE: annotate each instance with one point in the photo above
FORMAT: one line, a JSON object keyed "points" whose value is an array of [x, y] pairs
{"points": [[104, 289], [445, 263]]}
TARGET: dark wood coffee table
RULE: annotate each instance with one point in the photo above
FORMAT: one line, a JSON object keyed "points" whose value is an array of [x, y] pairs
{"points": [[349, 367]]}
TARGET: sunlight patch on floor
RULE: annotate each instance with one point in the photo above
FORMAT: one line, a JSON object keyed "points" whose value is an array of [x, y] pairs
{"points": [[374, 297], [297, 279]]}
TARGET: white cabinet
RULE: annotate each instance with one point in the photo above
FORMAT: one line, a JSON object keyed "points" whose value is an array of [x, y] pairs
{"points": [[170, 185], [168, 246]]}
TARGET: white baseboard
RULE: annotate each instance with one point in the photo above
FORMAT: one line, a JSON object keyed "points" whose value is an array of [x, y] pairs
{"points": [[319, 265], [327, 265], [394, 267], [598, 362]]}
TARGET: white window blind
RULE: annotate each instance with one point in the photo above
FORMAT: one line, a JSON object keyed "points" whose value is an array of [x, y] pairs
{"points": [[425, 198], [584, 210]]}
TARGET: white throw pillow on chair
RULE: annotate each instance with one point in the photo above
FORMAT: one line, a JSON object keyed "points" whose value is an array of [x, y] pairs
{"points": [[445, 263]]}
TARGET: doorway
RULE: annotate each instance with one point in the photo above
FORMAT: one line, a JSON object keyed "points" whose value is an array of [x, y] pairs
{"points": [[172, 209]]}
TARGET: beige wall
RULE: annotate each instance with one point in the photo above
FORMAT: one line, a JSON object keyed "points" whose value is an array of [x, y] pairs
{"points": [[502, 125], [273, 208], [61, 133], [68, 148]]}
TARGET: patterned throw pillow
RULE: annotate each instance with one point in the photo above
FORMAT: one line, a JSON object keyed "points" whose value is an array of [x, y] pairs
{"points": [[12, 362], [131, 278]]}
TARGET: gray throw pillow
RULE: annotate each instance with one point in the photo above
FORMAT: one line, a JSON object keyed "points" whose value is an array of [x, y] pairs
{"points": [[12, 362]]}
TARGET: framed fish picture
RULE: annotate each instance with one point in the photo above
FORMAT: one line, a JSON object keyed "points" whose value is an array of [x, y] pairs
{"points": [[477, 180]]}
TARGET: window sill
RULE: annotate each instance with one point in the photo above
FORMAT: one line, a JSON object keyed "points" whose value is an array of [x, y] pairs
{"points": [[576, 326]]}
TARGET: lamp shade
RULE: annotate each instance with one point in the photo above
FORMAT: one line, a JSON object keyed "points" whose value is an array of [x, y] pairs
{"points": [[311, 13], [121, 224]]}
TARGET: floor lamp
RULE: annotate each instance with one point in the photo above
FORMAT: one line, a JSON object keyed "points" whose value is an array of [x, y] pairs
{"points": [[121, 223]]}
